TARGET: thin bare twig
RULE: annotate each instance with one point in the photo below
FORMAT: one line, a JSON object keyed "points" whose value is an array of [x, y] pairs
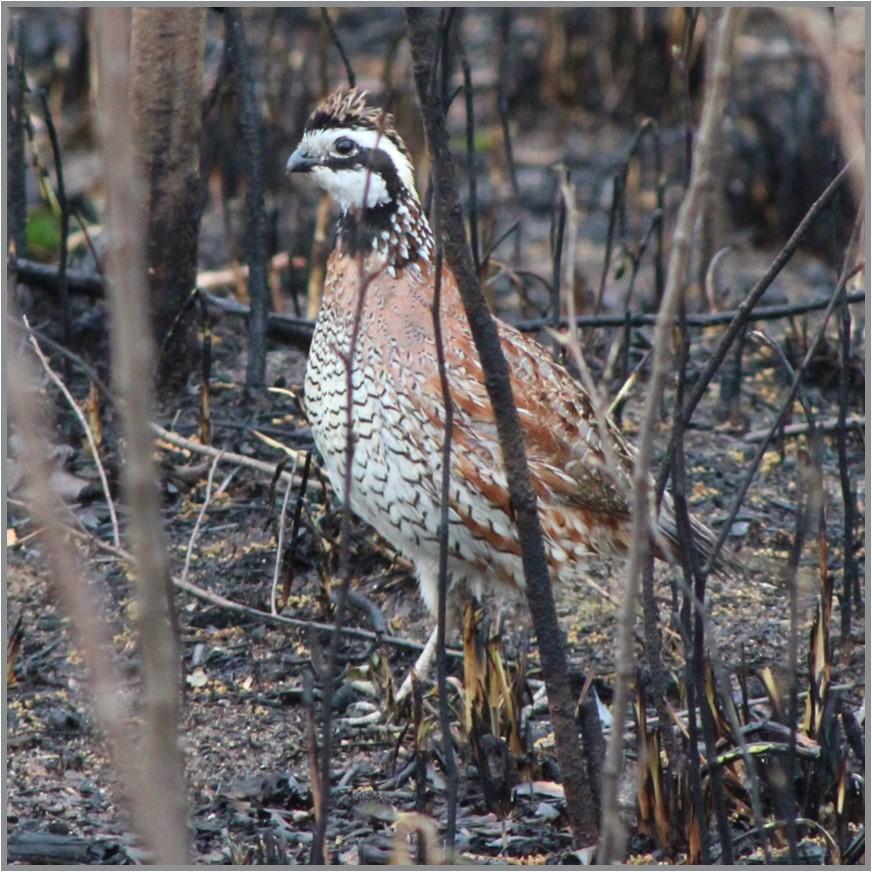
{"points": [[850, 585], [558, 233], [648, 128], [628, 384], [810, 423], [805, 509], [694, 319], [573, 342], [92, 443], [611, 846], [692, 618], [505, 31], [331, 29], [617, 196], [89, 242], [710, 280], [295, 525], [470, 155], [828, 425], [444, 580], [280, 543], [623, 343], [690, 18], [207, 497]]}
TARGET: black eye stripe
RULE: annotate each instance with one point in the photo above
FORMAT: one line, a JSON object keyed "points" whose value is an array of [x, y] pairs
{"points": [[325, 121], [377, 161]]}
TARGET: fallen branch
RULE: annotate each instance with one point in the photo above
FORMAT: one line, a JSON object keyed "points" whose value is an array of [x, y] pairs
{"points": [[228, 456], [229, 276], [297, 332], [699, 319]]}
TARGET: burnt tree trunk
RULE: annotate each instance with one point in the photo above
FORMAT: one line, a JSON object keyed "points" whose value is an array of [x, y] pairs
{"points": [[167, 47], [255, 230], [16, 161]]}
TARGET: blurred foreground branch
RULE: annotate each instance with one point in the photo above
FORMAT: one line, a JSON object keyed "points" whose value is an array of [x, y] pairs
{"points": [[611, 848], [163, 822], [90, 633]]}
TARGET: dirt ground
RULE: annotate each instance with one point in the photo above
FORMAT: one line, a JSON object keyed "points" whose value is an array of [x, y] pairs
{"points": [[244, 721]]}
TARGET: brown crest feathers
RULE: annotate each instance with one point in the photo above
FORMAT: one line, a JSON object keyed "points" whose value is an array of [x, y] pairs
{"points": [[348, 107]]}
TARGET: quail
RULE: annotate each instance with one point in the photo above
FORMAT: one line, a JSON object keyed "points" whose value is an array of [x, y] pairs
{"points": [[376, 316]]}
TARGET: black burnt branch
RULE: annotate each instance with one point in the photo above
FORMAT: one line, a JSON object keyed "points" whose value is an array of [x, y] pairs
{"points": [[255, 231], [64, 207], [580, 783]]}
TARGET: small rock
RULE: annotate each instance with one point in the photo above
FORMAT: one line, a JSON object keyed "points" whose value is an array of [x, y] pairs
{"points": [[197, 678]]}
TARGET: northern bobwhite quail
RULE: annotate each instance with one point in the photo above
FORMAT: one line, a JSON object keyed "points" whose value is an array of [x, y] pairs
{"points": [[385, 250]]}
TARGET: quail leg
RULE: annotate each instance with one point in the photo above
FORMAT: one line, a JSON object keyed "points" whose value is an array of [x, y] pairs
{"points": [[422, 668]]}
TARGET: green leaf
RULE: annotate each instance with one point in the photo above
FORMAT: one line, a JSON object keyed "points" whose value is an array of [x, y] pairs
{"points": [[43, 233]]}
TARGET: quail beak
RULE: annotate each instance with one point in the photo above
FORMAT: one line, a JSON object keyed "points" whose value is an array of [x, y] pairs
{"points": [[299, 162]]}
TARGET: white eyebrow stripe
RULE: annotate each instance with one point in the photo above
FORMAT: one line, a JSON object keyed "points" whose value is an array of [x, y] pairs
{"points": [[322, 140]]}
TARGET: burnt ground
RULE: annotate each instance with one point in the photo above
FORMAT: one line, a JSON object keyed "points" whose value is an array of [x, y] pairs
{"points": [[244, 724], [245, 709]]}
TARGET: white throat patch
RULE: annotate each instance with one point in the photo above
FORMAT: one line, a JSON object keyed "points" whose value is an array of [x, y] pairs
{"points": [[347, 186]]}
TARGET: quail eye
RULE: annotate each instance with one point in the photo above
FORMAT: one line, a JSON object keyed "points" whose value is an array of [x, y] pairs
{"points": [[343, 146]]}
